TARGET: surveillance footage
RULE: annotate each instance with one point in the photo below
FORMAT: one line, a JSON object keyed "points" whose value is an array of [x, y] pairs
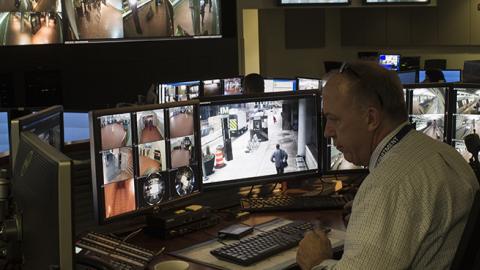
{"points": [[466, 120], [428, 111], [182, 151], [30, 28], [338, 161], [181, 121], [152, 158], [462, 149], [116, 131], [137, 19], [180, 91], [184, 181], [308, 84], [153, 189], [119, 198], [212, 88], [150, 126], [239, 140], [232, 86]]}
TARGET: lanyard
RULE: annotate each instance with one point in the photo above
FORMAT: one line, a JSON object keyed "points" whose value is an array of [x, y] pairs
{"points": [[393, 141]]}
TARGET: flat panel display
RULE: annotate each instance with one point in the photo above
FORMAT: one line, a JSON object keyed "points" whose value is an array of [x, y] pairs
{"points": [[75, 127], [390, 61], [313, 2], [4, 136], [408, 77], [102, 20], [308, 84], [239, 138], [144, 157], [178, 91], [451, 75], [280, 85], [428, 110], [396, 1]]}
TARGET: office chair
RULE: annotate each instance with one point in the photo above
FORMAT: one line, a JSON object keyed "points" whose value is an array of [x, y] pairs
{"points": [[467, 255], [435, 64], [331, 65]]}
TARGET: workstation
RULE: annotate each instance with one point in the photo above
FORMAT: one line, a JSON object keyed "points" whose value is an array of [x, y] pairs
{"points": [[172, 189]]}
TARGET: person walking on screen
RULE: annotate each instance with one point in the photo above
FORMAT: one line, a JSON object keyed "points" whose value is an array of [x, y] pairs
{"points": [[280, 157]]}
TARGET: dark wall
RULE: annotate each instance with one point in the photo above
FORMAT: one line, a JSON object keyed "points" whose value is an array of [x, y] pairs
{"points": [[103, 74]]}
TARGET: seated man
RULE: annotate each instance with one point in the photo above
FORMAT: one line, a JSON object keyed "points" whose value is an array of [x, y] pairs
{"points": [[411, 210]]}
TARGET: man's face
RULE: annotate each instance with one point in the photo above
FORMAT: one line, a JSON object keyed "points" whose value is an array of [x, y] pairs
{"points": [[347, 123]]}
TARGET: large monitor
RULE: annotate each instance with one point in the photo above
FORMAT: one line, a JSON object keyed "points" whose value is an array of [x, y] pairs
{"points": [[141, 20], [428, 109], [396, 1], [47, 124], [179, 91], [408, 76], [144, 157], [42, 192], [75, 127], [314, 2], [466, 114], [222, 87], [240, 136], [4, 134], [280, 85], [308, 84], [389, 61], [451, 75]]}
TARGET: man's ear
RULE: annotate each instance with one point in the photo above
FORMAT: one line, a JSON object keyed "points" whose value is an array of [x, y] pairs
{"points": [[374, 118]]}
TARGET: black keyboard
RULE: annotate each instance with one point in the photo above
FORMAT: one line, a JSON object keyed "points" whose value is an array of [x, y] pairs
{"points": [[259, 247], [286, 202], [114, 252]]}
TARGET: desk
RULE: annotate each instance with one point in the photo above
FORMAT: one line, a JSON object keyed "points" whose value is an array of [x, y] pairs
{"points": [[332, 218]]}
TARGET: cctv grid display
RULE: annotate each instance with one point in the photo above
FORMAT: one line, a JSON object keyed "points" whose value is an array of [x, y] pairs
{"points": [[28, 22], [144, 157], [396, 1], [451, 75], [465, 115], [314, 2], [239, 135]]}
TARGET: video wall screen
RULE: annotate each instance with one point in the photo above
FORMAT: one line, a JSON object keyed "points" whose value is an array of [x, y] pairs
{"points": [[280, 85], [178, 91], [389, 61], [239, 139], [428, 111], [91, 20], [396, 1], [313, 2], [466, 117], [308, 84], [144, 158], [76, 127]]}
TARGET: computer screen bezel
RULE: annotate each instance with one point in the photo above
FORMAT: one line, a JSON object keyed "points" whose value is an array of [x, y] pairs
{"points": [[16, 127], [97, 174], [63, 166], [447, 86], [272, 177], [346, 3]]}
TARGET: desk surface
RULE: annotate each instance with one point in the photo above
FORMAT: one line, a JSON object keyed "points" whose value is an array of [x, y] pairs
{"points": [[331, 218]]}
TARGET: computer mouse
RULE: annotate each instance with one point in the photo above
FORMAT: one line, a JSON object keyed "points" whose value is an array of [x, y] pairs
{"points": [[172, 265]]}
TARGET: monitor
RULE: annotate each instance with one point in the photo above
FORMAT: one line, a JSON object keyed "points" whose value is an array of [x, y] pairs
{"points": [[240, 135], [178, 91], [409, 63], [314, 2], [308, 84], [232, 86], [42, 192], [471, 71], [280, 85], [389, 61], [132, 20], [47, 124], [466, 113], [451, 75], [408, 77], [143, 158], [75, 127], [428, 109], [396, 1], [4, 134], [212, 88]]}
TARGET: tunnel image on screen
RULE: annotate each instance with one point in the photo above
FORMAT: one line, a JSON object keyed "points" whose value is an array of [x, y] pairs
{"points": [[428, 110], [238, 140], [119, 198], [468, 101], [116, 131], [338, 161], [151, 126], [466, 120], [462, 149], [30, 28]]}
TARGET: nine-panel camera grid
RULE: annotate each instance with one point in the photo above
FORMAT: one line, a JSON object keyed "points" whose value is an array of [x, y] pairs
{"points": [[144, 157]]}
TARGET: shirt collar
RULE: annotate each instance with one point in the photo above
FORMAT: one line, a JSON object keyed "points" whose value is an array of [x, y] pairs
{"points": [[382, 144]]}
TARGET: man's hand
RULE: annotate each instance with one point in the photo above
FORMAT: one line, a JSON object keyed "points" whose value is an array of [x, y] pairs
{"points": [[313, 249]]}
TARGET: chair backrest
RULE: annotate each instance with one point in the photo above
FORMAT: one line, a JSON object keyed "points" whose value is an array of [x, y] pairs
{"points": [[468, 251]]}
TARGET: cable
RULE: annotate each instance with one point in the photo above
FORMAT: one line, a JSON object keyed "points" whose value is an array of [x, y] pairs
{"points": [[274, 187], [250, 192], [130, 235]]}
